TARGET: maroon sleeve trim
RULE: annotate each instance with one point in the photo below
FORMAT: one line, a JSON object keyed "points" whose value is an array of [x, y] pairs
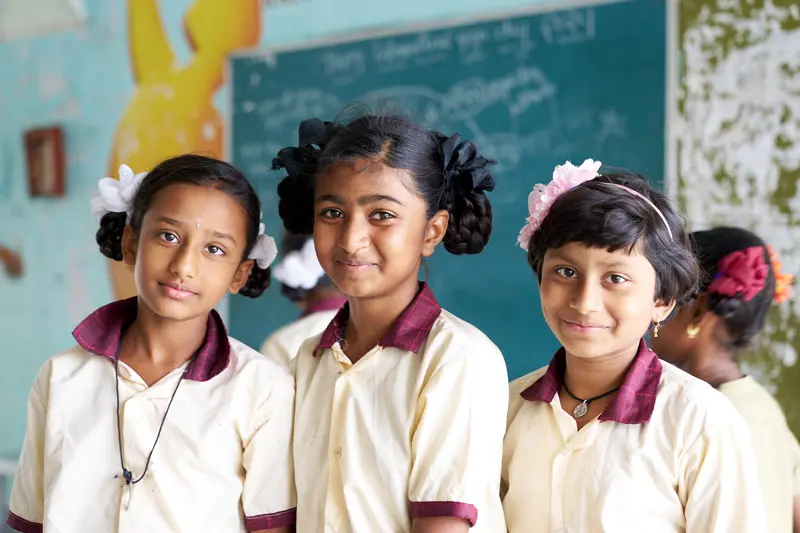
{"points": [[438, 509], [20, 524], [270, 521]]}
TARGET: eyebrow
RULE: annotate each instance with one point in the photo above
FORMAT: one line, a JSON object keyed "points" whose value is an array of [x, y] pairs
{"points": [[364, 200], [556, 256], [215, 234]]}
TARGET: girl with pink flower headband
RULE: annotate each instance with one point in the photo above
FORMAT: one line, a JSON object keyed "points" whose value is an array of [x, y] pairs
{"points": [[608, 438]]}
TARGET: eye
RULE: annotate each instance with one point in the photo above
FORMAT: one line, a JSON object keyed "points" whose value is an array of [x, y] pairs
{"points": [[616, 279], [566, 272], [215, 250], [166, 236], [331, 212], [382, 215]]}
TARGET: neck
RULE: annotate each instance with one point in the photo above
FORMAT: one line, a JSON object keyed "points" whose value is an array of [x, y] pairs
{"points": [[372, 318], [715, 367], [161, 342], [587, 378]]}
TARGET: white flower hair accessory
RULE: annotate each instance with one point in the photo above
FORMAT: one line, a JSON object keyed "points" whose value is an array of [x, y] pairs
{"points": [[264, 249], [116, 196], [300, 269], [565, 177]]}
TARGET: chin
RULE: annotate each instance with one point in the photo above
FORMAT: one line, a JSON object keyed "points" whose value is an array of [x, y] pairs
{"points": [[169, 309]]}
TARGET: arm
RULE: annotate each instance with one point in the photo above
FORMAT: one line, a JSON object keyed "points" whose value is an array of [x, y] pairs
{"points": [[151, 54], [26, 507], [796, 514], [268, 495], [723, 494], [457, 445]]}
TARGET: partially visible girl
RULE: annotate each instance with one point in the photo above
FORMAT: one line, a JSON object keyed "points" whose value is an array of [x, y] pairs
{"points": [[401, 406], [607, 438], [741, 280], [157, 421], [303, 282]]}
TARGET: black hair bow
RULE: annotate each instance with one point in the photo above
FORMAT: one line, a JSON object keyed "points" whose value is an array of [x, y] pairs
{"points": [[465, 170]]}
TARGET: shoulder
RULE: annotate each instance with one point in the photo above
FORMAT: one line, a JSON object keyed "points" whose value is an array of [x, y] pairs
{"points": [[455, 342], [701, 409], [247, 366]]}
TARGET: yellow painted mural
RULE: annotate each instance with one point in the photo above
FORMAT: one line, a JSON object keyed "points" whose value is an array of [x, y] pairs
{"points": [[171, 111]]}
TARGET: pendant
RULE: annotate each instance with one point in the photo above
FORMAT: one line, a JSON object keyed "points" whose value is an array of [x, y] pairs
{"points": [[580, 410]]}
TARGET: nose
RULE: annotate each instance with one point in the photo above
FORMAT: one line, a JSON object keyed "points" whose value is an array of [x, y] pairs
{"points": [[354, 235], [588, 297], [185, 263]]}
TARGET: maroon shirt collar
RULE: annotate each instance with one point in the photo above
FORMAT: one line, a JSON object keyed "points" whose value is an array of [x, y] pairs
{"points": [[408, 332], [326, 304], [101, 334], [635, 399]]}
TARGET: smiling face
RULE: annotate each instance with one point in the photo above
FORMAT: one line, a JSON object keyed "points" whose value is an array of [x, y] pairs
{"points": [[371, 229], [189, 251], [599, 303]]}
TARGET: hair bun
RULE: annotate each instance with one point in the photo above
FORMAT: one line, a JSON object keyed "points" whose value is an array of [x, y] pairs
{"points": [[296, 191], [109, 236], [467, 175], [257, 282]]}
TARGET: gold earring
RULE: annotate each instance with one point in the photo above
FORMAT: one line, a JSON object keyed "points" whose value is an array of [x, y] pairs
{"points": [[692, 330], [656, 325]]}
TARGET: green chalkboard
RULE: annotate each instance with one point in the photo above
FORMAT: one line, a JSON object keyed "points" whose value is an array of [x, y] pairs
{"points": [[531, 89]]}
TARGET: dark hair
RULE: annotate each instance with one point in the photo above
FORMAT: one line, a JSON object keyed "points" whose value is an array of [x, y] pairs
{"points": [[601, 215], [293, 243], [449, 174], [742, 319], [191, 170]]}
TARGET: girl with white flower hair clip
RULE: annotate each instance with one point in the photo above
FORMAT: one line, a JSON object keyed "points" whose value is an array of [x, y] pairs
{"points": [[157, 420], [305, 283], [608, 438]]}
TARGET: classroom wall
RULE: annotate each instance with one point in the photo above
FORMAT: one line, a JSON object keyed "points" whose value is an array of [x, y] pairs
{"points": [[83, 80], [122, 100], [737, 149]]}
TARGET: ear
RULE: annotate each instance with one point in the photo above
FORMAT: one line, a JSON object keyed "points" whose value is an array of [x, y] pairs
{"points": [[130, 245], [662, 310], [240, 276], [435, 232]]}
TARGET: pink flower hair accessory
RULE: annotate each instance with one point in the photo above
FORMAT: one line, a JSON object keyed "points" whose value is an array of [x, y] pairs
{"points": [[541, 199]]}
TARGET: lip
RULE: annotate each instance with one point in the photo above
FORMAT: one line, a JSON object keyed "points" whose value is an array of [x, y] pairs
{"points": [[583, 327], [176, 291], [355, 265]]}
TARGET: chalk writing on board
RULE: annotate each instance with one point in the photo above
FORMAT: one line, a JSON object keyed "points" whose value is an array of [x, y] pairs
{"points": [[568, 27], [293, 106], [472, 45], [519, 89], [514, 37], [347, 65], [423, 48]]}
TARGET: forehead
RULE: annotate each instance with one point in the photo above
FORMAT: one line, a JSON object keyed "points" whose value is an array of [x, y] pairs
{"points": [[581, 255], [350, 181], [194, 204]]}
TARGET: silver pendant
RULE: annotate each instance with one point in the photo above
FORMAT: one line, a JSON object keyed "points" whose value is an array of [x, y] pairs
{"points": [[580, 410]]}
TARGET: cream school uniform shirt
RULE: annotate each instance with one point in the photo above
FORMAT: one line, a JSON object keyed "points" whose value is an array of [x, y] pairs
{"points": [[282, 346], [414, 429], [222, 463], [776, 449], [670, 454]]}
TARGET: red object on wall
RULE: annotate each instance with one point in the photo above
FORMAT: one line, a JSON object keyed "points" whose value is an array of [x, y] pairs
{"points": [[44, 155]]}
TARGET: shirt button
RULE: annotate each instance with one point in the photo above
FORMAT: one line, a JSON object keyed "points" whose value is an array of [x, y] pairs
{"points": [[338, 452]]}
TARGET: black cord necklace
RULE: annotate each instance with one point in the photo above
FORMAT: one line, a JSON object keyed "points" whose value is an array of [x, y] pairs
{"points": [[127, 475], [583, 407]]}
